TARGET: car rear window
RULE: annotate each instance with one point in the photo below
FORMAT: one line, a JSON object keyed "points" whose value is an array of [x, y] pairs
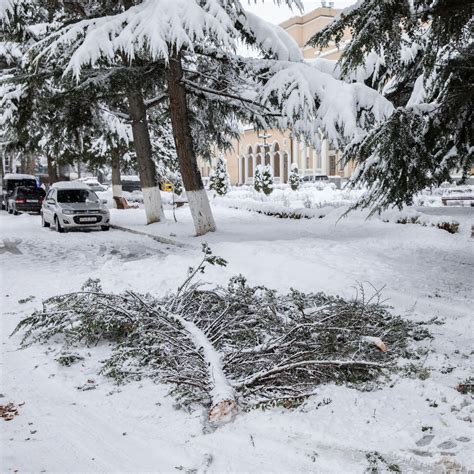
{"points": [[30, 192], [76, 195], [16, 183]]}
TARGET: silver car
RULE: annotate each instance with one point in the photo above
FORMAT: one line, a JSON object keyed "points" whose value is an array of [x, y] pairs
{"points": [[71, 205]]}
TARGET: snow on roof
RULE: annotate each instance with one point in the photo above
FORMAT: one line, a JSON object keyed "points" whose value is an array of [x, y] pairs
{"points": [[70, 185], [18, 176]]}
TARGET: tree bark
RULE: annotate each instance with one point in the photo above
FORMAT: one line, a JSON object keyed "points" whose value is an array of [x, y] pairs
{"points": [[116, 176], [197, 197], [52, 175], [146, 166]]}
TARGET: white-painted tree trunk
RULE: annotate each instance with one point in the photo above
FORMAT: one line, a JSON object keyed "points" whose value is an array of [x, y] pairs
{"points": [[201, 211], [116, 192], [153, 206]]}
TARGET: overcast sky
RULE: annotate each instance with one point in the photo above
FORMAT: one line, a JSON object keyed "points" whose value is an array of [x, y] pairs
{"points": [[271, 12]]}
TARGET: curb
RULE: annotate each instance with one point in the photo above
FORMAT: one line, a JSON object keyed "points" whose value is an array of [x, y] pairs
{"points": [[157, 238]]}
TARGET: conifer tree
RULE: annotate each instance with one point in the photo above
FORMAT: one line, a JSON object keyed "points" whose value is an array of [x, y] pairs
{"points": [[294, 179], [219, 178], [418, 55], [267, 180], [258, 178]]}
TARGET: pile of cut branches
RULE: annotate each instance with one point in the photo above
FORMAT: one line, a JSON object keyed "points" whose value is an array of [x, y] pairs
{"points": [[231, 346]]}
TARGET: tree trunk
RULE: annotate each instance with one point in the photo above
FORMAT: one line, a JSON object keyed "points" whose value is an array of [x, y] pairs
{"points": [[197, 197], [116, 177], [52, 176], [146, 166]]}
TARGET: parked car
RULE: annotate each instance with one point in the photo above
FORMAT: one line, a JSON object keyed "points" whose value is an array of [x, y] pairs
{"points": [[96, 186], [313, 178], [72, 205], [25, 199], [12, 181], [131, 183]]}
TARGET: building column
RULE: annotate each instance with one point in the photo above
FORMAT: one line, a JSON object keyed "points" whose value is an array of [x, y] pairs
{"points": [[324, 156], [295, 154], [254, 160], [303, 158], [282, 167], [272, 161]]}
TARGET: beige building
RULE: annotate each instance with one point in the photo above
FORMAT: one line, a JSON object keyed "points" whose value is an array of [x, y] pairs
{"points": [[277, 148]]}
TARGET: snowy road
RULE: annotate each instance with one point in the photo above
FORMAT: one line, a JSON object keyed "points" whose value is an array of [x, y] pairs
{"points": [[60, 428]]}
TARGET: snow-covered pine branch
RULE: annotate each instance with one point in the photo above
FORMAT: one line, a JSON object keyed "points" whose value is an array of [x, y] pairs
{"points": [[224, 347], [418, 55], [311, 100]]}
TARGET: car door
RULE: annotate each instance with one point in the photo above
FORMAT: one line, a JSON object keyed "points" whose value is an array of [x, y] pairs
{"points": [[49, 205]]}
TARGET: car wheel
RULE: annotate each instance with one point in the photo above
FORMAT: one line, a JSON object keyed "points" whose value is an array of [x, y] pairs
{"points": [[43, 222], [58, 226], [105, 227]]}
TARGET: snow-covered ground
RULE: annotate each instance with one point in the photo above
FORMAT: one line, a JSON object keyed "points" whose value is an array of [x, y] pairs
{"points": [[420, 424]]}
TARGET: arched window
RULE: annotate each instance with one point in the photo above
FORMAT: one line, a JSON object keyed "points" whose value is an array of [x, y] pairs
{"points": [[250, 166], [259, 158], [259, 149], [267, 159], [242, 170], [275, 147], [249, 150], [276, 166]]}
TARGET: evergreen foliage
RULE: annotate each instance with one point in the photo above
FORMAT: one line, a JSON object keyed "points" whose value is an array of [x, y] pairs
{"points": [[267, 180], [294, 179], [273, 348], [418, 54], [258, 178], [219, 179]]}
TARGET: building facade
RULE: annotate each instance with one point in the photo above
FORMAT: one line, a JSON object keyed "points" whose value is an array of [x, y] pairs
{"points": [[278, 148]]}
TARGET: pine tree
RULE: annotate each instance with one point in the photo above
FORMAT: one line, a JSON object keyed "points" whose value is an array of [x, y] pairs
{"points": [[219, 178], [418, 55], [267, 180], [294, 179], [258, 178]]}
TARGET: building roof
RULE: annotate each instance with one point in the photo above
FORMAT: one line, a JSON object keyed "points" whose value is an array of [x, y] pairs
{"points": [[313, 14]]}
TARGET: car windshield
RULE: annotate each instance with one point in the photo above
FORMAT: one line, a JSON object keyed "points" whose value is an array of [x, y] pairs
{"points": [[76, 195]]}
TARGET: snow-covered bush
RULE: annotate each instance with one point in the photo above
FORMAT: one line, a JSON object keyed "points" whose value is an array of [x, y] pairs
{"points": [[227, 345], [294, 179], [267, 180], [219, 178]]}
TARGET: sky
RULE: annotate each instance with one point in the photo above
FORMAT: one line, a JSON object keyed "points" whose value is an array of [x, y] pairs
{"points": [[268, 10]]}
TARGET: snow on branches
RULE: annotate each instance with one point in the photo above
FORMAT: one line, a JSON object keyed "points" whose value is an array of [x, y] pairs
{"points": [[312, 100], [229, 347]]}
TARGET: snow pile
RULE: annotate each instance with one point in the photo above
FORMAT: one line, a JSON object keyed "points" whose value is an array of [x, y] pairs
{"points": [[307, 201]]}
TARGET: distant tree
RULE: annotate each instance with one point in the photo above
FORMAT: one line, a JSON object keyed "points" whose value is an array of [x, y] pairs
{"points": [[258, 178], [294, 179], [219, 178], [267, 180]]}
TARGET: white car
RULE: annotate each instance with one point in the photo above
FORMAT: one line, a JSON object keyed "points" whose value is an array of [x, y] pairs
{"points": [[72, 204]]}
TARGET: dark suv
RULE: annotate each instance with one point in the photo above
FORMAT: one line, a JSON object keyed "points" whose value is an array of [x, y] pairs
{"points": [[25, 199]]}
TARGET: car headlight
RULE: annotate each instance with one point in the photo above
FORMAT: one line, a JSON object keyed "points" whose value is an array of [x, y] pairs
{"points": [[67, 211]]}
